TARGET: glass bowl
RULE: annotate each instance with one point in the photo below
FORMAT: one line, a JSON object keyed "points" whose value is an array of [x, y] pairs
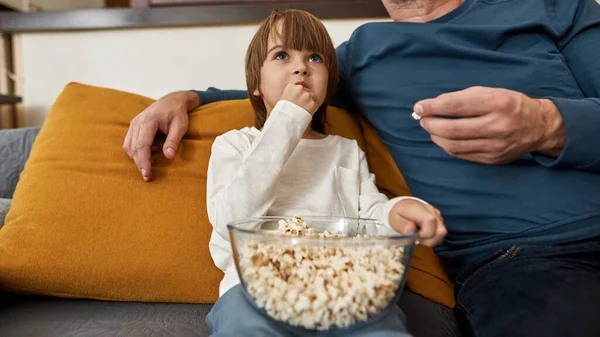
{"points": [[320, 273]]}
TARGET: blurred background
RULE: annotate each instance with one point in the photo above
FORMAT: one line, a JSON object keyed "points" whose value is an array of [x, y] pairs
{"points": [[57, 5], [148, 47]]}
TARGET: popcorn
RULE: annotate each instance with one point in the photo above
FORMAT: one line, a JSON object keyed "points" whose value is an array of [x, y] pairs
{"points": [[320, 287], [415, 116]]}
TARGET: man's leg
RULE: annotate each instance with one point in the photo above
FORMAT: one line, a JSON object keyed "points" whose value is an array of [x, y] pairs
{"points": [[533, 291]]}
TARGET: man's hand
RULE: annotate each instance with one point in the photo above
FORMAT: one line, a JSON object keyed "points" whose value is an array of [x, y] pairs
{"points": [[408, 215], [301, 96], [496, 125], [169, 115]]}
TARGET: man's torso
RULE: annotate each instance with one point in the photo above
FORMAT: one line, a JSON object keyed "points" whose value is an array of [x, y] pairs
{"points": [[507, 44]]}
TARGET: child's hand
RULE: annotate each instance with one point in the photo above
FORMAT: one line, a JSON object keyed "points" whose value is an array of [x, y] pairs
{"points": [[409, 215], [301, 96]]}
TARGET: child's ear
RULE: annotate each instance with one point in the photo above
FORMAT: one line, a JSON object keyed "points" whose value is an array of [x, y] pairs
{"points": [[256, 92]]}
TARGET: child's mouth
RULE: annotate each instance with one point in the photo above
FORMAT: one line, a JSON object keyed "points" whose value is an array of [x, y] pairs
{"points": [[302, 83]]}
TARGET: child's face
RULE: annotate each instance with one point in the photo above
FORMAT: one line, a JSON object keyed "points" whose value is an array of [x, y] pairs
{"points": [[284, 66]]}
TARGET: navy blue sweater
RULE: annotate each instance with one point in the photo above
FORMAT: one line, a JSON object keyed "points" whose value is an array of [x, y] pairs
{"points": [[542, 48]]}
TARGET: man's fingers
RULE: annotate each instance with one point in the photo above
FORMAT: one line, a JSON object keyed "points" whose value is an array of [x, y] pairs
{"points": [[469, 102], [142, 160], [142, 149], [127, 142], [486, 151], [176, 132], [458, 129], [470, 146], [485, 158]]}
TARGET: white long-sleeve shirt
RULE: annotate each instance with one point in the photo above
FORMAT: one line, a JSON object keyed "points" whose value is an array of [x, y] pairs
{"points": [[254, 173]]}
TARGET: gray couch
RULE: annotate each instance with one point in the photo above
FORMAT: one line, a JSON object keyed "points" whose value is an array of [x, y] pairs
{"points": [[27, 315]]}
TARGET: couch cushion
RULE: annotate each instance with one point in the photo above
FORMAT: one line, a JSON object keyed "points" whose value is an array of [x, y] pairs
{"points": [[15, 145], [4, 206], [43, 316], [84, 224]]}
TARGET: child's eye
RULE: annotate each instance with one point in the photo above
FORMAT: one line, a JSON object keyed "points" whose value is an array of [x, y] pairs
{"points": [[281, 56], [315, 58]]}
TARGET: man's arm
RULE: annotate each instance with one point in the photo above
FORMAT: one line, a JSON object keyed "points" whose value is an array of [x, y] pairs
{"points": [[578, 31], [213, 94]]}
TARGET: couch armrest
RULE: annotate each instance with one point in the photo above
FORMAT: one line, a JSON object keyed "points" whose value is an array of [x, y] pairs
{"points": [[15, 145]]}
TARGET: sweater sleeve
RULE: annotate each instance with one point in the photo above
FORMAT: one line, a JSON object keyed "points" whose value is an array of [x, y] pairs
{"points": [[242, 173], [577, 35], [213, 94]]}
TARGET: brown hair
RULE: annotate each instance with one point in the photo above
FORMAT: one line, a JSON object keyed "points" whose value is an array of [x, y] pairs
{"points": [[300, 30]]}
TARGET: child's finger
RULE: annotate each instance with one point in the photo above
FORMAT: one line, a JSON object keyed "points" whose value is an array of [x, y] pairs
{"points": [[442, 231], [401, 224], [438, 237], [410, 227], [427, 226], [425, 219]]}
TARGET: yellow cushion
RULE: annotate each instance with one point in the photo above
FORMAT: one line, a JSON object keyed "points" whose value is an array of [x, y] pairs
{"points": [[84, 224]]}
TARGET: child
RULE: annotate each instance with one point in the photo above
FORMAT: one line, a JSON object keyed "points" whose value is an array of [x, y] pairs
{"points": [[287, 166]]}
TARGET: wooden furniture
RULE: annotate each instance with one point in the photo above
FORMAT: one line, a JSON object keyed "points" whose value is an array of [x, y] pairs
{"points": [[9, 99], [11, 121]]}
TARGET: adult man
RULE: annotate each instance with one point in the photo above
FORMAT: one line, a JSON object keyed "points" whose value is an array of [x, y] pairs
{"points": [[507, 147]]}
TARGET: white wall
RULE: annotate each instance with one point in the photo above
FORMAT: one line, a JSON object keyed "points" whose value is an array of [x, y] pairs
{"points": [[149, 62]]}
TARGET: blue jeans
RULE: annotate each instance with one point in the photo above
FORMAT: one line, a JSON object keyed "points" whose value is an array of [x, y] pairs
{"points": [[233, 316], [530, 290]]}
